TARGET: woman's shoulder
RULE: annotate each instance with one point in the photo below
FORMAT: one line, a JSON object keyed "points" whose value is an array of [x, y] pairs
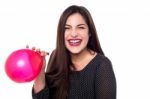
{"points": [[101, 57], [102, 60]]}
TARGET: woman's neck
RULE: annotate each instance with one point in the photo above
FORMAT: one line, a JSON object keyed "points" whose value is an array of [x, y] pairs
{"points": [[81, 59]]}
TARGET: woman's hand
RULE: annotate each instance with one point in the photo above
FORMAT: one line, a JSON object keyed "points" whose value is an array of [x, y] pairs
{"points": [[39, 82]]}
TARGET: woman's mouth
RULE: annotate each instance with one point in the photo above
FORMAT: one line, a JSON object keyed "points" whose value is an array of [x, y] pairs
{"points": [[74, 42]]}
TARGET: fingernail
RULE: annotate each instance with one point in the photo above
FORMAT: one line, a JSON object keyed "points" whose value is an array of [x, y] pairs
{"points": [[33, 48], [27, 46], [47, 53]]}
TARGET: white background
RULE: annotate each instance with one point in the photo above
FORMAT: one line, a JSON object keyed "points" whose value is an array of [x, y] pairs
{"points": [[123, 27]]}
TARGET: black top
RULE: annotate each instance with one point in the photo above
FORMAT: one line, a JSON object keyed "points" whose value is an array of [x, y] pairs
{"points": [[95, 81]]}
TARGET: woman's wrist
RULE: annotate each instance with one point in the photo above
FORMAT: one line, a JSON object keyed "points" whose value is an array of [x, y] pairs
{"points": [[39, 83]]}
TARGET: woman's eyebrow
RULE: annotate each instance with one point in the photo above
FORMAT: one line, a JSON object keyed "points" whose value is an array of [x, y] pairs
{"points": [[81, 24], [67, 25], [77, 25]]}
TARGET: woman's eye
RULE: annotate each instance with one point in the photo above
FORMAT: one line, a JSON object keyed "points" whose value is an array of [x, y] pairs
{"points": [[82, 27], [66, 28]]}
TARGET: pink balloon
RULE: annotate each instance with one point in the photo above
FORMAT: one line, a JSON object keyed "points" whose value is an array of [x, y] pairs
{"points": [[23, 65]]}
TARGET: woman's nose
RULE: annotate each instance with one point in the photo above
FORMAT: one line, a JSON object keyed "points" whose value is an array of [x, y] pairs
{"points": [[74, 33]]}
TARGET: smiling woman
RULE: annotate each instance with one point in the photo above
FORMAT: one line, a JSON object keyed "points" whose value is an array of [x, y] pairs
{"points": [[76, 33], [77, 68]]}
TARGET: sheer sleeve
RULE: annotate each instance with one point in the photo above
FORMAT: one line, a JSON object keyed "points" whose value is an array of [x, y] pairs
{"points": [[105, 86], [43, 94]]}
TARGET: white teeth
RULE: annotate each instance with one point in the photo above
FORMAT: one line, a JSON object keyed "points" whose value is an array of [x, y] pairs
{"points": [[74, 41]]}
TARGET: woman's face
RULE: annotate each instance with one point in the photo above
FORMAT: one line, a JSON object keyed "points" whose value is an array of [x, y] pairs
{"points": [[76, 33]]}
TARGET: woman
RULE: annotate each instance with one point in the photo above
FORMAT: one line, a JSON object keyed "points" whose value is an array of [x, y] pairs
{"points": [[77, 68]]}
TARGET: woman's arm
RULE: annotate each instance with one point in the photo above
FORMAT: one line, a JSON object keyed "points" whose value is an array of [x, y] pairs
{"points": [[39, 82], [105, 85], [40, 90]]}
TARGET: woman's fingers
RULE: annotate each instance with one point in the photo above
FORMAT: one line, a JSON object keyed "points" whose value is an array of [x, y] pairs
{"points": [[33, 48], [42, 53]]}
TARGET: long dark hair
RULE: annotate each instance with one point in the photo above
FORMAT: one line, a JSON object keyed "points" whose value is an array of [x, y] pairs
{"points": [[57, 74]]}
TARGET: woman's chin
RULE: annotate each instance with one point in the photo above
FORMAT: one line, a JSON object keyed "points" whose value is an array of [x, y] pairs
{"points": [[75, 52]]}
